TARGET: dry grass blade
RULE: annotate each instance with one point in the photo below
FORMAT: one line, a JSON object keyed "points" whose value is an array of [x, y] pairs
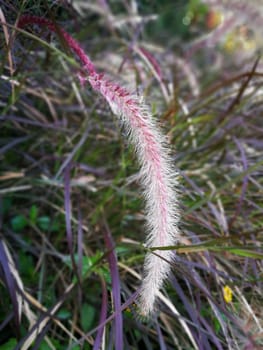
{"points": [[38, 327]]}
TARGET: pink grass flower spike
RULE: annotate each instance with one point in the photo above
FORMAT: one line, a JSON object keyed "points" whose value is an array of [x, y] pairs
{"points": [[157, 175]]}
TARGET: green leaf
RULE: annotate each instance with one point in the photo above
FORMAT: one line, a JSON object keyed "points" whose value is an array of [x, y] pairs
{"points": [[217, 325], [214, 246], [6, 205], [44, 346], [27, 266], [64, 314], [55, 226], [121, 250], [10, 345], [33, 214], [244, 252], [56, 344], [88, 313], [44, 223], [19, 222], [88, 263]]}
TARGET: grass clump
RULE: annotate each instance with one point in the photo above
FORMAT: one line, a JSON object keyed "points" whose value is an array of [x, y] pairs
{"points": [[72, 215]]}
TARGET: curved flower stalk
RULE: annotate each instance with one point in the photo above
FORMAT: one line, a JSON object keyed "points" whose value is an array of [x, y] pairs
{"points": [[157, 175]]}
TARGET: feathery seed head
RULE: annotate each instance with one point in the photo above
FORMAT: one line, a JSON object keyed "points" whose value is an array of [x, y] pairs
{"points": [[157, 175]]}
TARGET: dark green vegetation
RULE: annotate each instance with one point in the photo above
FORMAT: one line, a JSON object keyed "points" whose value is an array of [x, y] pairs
{"points": [[69, 192]]}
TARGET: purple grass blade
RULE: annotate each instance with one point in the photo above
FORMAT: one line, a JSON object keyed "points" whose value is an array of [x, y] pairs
{"points": [[103, 315], [162, 345], [211, 334], [256, 272], [10, 283], [244, 184], [124, 306], [112, 259], [80, 245], [32, 122], [207, 330], [70, 157], [50, 313], [6, 321], [192, 313], [202, 267], [241, 200], [96, 171], [22, 341], [201, 193], [14, 143], [153, 62], [41, 337], [218, 309], [245, 270], [67, 204], [220, 218], [254, 142]]}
